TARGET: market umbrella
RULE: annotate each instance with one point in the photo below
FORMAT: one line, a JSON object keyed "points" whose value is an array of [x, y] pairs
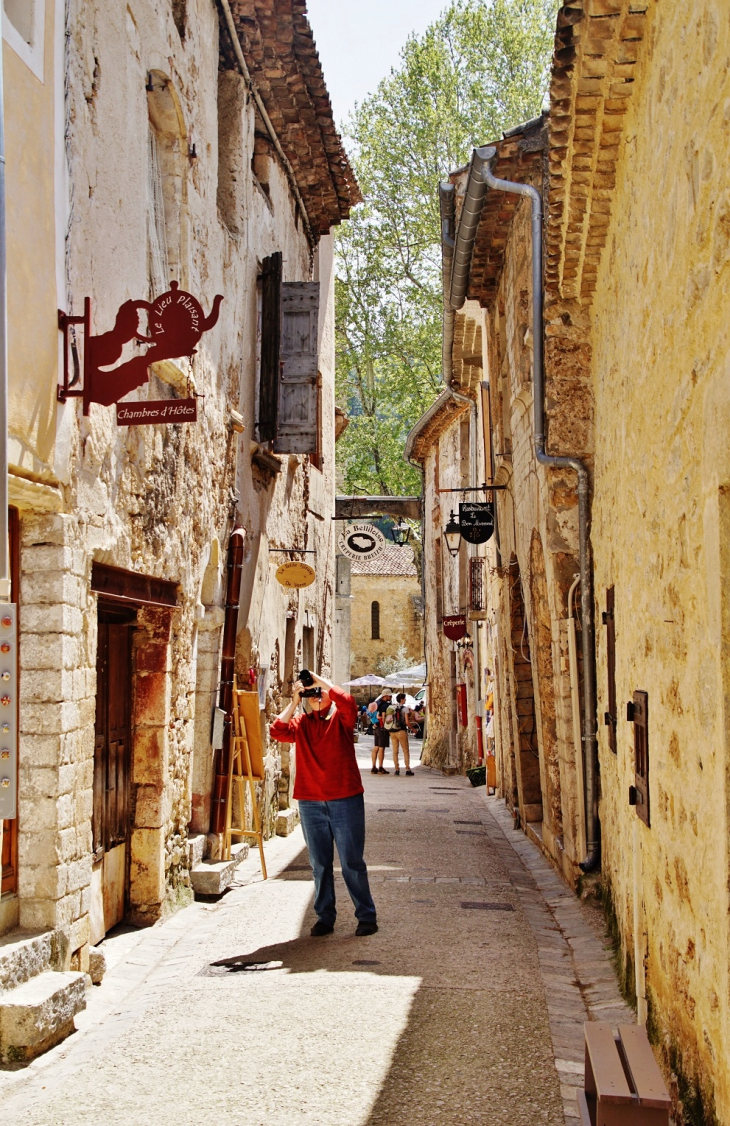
{"points": [[362, 681], [407, 677]]}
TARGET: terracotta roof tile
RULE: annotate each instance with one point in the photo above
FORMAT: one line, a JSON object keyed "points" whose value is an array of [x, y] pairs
{"points": [[394, 561]]}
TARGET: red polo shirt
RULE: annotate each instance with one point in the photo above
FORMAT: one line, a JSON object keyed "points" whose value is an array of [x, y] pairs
{"points": [[326, 764]]}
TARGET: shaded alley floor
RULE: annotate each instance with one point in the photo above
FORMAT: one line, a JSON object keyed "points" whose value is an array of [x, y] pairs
{"points": [[467, 1006]]}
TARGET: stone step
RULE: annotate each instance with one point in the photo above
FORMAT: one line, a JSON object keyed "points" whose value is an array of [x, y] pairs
{"points": [[39, 1013], [212, 877], [286, 822], [23, 955], [196, 849]]}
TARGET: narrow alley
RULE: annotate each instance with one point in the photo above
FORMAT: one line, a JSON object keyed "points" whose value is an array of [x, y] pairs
{"points": [[467, 1006]]}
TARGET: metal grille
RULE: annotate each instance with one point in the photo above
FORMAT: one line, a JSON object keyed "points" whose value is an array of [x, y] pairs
{"points": [[476, 584]]}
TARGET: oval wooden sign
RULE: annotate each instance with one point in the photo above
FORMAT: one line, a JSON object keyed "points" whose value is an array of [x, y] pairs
{"points": [[295, 574]]}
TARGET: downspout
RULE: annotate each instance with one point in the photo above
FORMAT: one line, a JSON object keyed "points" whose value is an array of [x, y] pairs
{"points": [[222, 764], [286, 165], [486, 155]]}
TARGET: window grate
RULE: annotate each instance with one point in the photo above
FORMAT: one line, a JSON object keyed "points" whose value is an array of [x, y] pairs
{"points": [[476, 585]]}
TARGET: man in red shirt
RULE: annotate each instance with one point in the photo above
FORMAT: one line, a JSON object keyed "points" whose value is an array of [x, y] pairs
{"points": [[329, 790]]}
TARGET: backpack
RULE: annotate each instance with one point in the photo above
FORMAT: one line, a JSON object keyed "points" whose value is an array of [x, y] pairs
{"points": [[389, 719]]}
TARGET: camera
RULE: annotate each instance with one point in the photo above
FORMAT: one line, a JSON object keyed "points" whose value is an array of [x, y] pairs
{"points": [[306, 678]]}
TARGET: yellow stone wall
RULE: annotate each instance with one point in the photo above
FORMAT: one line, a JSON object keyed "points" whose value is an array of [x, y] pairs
{"points": [[401, 623], [661, 528]]}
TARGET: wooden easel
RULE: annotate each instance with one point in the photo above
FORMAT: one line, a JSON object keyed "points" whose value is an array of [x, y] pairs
{"points": [[247, 763]]}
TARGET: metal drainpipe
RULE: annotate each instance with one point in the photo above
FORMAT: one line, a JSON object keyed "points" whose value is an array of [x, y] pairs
{"points": [[593, 849], [222, 763]]}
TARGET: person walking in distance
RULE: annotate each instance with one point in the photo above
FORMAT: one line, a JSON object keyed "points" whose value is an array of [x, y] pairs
{"points": [[380, 734], [399, 722], [329, 790]]}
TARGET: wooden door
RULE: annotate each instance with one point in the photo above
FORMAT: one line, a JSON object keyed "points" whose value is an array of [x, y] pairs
{"points": [[112, 766]]}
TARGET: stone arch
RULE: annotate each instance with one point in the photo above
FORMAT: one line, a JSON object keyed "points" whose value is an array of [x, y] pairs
{"points": [[167, 170], [527, 756], [545, 685]]}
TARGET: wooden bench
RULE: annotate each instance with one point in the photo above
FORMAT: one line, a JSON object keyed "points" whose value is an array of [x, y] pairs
{"points": [[623, 1084]]}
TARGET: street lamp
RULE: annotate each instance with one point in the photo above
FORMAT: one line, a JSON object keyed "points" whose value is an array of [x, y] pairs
{"points": [[452, 535], [400, 533]]}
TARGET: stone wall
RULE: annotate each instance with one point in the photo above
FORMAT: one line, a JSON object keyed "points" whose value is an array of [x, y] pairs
{"points": [[660, 532], [401, 620]]}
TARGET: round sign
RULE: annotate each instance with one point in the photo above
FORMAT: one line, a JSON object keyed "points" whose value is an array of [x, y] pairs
{"points": [[361, 541], [295, 574]]}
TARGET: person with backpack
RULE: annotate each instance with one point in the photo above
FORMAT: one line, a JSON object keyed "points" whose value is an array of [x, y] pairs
{"points": [[398, 723], [381, 735]]}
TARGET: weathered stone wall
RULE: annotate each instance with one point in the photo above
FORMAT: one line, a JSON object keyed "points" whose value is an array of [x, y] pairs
{"points": [[161, 500], [538, 537], [401, 620], [660, 533]]}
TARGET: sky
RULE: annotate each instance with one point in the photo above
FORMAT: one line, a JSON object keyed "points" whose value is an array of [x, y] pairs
{"points": [[359, 40]]}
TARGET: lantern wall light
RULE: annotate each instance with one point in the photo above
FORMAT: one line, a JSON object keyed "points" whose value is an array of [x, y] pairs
{"points": [[401, 533], [452, 535]]}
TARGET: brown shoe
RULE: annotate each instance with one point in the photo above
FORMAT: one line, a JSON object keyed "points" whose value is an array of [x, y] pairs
{"points": [[382, 770]]}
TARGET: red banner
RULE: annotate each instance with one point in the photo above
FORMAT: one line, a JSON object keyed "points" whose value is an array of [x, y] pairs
{"points": [[455, 626], [156, 412]]}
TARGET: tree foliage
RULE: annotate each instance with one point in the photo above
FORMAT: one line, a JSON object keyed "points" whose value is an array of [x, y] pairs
{"points": [[481, 68]]}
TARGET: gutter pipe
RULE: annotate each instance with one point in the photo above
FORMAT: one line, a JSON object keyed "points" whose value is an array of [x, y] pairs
{"points": [[485, 156], [289, 171]]}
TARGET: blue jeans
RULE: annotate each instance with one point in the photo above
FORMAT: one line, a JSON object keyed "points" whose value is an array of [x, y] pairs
{"points": [[341, 823]]}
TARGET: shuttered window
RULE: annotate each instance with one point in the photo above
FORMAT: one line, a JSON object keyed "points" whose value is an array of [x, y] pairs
{"points": [[375, 621], [297, 430], [611, 716], [638, 714], [270, 347]]}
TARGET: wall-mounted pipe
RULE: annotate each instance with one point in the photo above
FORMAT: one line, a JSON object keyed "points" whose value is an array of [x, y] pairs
{"points": [[222, 764], [486, 155]]}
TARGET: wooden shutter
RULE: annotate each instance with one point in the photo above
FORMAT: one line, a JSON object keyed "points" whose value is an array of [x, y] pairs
{"points": [[270, 347], [638, 714], [611, 716], [298, 385]]}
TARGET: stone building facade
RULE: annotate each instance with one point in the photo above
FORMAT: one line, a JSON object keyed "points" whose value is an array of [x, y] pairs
{"points": [[178, 142], [634, 276], [386, 613]]}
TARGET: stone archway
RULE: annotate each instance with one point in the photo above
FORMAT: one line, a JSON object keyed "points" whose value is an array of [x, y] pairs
{"points": [[527, 757], [545, 681]]}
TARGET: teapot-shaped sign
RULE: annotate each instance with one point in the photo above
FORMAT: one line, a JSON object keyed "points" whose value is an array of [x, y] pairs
{"points": [[175, 324]]}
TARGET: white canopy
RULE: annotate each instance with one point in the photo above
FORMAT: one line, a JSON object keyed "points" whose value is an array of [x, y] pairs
{"points": [[415, 675], [362, 681]]}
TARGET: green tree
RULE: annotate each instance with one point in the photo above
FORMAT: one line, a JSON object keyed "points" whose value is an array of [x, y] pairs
{"points": [[481, 68]]}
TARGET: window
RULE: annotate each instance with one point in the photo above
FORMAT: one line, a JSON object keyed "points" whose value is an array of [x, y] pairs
{"points": [[233, 142], [476, 584], [23, 30], [166, 184], [289, 379], [375, 621]]}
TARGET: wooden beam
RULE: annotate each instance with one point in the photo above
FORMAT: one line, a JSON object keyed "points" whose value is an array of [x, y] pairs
{"points": [[405, 508]]}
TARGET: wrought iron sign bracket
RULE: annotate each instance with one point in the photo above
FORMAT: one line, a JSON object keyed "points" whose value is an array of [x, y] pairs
{"points": [[68, 388], [474, 489]]}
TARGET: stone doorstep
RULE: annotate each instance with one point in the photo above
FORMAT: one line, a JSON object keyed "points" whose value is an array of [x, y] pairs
{"points": [[196, 849], [286, 822], [23, 955], [212, 877], [39, 1013]]}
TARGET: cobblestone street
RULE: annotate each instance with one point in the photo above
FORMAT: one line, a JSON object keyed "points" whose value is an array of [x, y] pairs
{"points": [[467, 1006]]}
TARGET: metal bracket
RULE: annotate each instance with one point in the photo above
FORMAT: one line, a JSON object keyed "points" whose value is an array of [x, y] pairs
{"points": [[68, 389]]}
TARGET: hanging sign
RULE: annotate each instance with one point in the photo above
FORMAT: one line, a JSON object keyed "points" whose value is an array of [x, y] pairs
{"points": [[153, 413], [361, 541], [455, 626], [476, 521], [175, 324], [295, 575]]}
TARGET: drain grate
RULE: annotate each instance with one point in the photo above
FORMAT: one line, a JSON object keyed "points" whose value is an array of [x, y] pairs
{"points": [[441, 809], [364, 962], [390, 809], [468, 822], [445, 789], [470, 833], [470, 906]]}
